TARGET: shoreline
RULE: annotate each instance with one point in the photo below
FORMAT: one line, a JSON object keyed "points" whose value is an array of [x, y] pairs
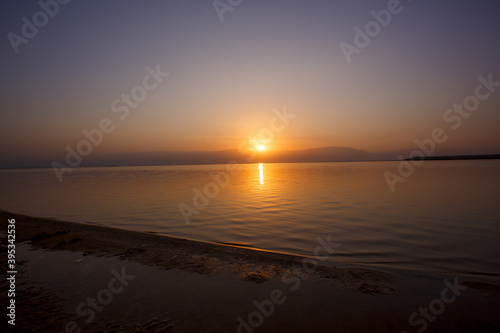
{"points": [[228, 249], [185, 254], [58, 259]]}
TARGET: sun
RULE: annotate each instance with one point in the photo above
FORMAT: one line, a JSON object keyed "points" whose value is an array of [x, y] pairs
{"points": [[261, 147]]}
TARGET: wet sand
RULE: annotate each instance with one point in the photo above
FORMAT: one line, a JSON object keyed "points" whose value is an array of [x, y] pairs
{"points": [[75, 277]]}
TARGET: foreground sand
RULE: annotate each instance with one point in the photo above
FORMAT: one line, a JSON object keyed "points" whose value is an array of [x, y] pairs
{"points": [[83, 278]]}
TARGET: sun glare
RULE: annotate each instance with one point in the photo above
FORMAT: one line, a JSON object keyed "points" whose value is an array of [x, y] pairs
{"points": [[261, 172], [261, 147]]}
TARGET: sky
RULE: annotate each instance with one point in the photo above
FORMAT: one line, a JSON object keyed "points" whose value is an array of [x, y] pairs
{"points": [[228, 78]]}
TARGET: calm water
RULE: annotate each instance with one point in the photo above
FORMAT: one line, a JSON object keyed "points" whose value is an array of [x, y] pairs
{"points": [[444, 218]]}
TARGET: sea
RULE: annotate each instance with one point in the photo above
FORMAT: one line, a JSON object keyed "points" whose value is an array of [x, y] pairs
{"points": [[443, 218]]}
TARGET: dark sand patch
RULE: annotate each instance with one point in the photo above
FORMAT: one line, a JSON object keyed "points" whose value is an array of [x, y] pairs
{"points": [[189, 286]]}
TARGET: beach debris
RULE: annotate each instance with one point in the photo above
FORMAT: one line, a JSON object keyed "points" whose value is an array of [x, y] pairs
{"points": [[368, 288], [77, 261], [259, 276]]}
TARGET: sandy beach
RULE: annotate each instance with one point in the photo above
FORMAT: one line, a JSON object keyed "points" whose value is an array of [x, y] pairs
{"points": [[74, 277]]}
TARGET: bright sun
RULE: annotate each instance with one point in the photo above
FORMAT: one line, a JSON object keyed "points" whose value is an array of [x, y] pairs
{"points": [[261, 147]]}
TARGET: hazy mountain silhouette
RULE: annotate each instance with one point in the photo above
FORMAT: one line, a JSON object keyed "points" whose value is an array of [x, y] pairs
{"points": [[224, 156], [323, 154]]}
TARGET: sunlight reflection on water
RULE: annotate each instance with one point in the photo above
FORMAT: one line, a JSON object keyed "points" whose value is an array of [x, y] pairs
{"points": [[445, 217]]}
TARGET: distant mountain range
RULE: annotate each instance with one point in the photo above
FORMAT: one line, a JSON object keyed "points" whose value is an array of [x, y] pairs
{"points": [[324, 154]]}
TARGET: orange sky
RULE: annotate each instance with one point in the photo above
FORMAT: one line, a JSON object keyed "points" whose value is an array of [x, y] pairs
{"points": [[226, 78]]}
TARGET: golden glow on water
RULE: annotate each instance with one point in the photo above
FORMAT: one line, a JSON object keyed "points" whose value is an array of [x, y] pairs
{"points": [[261, 170], [439, 207]]}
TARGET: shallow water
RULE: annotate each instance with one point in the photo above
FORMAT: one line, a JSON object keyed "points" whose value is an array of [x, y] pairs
{"points": [[443, 218]]}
